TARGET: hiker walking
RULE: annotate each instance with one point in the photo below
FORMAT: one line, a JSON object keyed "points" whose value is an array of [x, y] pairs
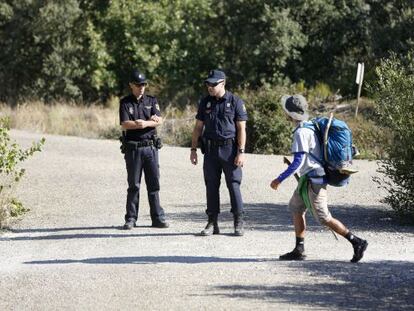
{"points": [[305, 148], [139, 116], [221, 124]]}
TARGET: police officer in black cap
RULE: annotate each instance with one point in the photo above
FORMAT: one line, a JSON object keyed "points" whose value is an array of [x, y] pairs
{"points": [[221, 124], [139, 116]]}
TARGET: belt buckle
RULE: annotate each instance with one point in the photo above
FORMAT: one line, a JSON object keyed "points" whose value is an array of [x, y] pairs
{"points": [[227, 141]]}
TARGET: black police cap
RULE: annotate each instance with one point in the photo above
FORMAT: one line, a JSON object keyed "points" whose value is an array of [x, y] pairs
{"points": [[137, 77], [215, 76]]}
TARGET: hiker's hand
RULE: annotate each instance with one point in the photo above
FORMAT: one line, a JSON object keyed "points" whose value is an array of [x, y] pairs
{"points": [[275, 184]]}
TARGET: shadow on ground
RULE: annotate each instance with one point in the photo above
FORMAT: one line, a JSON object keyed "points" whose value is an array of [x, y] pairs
{"points": [[259, 217], [381, 285], [92, 236], [150, 260], [275, 217], [47, 230]]}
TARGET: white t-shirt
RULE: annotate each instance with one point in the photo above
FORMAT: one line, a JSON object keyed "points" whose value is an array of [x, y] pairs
{"points": [[305, 140]]}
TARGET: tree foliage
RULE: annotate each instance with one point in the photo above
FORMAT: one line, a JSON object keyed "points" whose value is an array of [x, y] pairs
{"points": [[43, 48], [83, 50], [395, 108]]}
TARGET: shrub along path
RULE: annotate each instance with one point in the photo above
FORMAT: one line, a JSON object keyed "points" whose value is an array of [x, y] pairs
{"points": [[69, 252]]}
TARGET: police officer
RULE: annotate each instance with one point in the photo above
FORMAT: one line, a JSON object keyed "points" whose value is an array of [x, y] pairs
{"points": [[221, 124], [139, 116]]}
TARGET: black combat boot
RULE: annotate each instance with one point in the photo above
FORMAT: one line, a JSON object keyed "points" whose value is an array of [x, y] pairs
{"points": [[212, 226], [130, 223], [296, 254], [238, 225], [359, 249]]}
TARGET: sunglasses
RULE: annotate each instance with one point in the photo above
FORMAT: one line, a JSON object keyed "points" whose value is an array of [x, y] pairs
{"points": [[140, 84], [212, 84]]}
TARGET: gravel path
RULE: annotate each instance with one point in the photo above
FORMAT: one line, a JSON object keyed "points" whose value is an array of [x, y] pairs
{"points": [[68, 252]]}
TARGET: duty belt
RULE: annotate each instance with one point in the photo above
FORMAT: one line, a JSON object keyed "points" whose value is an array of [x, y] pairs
{"points": [[138, 144], [224, 142]]}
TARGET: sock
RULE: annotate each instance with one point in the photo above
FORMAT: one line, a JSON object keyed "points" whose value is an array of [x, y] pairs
{"points": [[352, 238], [300, 244]]}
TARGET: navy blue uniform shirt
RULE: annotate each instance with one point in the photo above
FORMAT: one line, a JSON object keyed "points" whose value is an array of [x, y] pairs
{"points": [[131, 109], [220, 115]]}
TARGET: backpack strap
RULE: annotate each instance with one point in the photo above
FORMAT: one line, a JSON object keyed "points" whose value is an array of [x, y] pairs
{"points": [[314, 126], [325, 138], [320, 161]]}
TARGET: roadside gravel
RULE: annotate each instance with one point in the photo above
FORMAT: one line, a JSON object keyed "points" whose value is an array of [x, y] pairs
{"points": [[69, 252]]}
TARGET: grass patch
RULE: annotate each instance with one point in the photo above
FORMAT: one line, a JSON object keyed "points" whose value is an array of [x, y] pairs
{"points": [[94, 121], [62, 119]]}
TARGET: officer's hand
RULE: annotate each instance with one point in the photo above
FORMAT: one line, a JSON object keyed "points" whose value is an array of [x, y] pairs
{"points": [[141, 124], [155, 118], [193, 157], [239, 160], [275, 184]]}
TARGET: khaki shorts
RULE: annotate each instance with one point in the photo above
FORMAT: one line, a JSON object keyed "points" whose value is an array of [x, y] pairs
{"points": [[319, 201]]}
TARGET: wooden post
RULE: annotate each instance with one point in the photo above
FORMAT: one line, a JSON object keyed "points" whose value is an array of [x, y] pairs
{"points": [[359, 79]]}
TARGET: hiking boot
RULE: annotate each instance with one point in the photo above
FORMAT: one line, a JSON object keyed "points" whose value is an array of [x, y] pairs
{"points": [[159, 224], [238, 225], [212, 226], [129, 224], [293, 255], [359, 250]]}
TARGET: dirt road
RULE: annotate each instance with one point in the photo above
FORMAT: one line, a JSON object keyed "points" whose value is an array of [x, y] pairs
{"points": [[69, 252]]}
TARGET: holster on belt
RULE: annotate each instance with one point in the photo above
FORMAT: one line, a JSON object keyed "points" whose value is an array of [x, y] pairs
{"points": [[157, 141], [122, 140], [133, 145], [202, 144]]}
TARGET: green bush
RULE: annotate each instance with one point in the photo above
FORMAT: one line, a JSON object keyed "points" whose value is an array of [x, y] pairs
{"points": [[10, 172], [268, 130], [17, 208], [395, 108], [320, 93]]}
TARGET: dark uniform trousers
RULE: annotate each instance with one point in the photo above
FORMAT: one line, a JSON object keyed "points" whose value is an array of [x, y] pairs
{"points": [[221, 159], [138, 160]]}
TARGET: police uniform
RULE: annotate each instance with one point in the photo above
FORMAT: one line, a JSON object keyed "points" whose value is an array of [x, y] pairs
{"points": [[220, 138], [141, 155]]}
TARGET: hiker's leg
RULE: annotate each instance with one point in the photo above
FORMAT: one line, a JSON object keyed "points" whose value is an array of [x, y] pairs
{"points": [[359, 245], [337, 226], [318, 198], [298, 209], [299, 222], [298, 253]]}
